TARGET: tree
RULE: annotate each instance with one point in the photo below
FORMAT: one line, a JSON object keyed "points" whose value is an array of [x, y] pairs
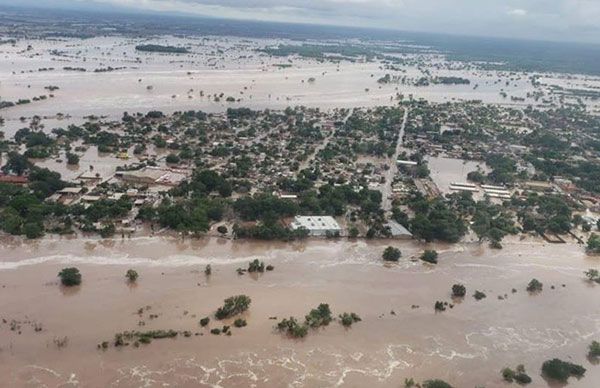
{"points": [[347, 319], [33, 230], [131, 275], [172, 159], [519, 375], [72, 159], [16, 164], [593, 275], [593, 245], [70, 277], [430, 256], [478, 295], [391, 254], [233, 306], [561, 370], [321, 316], [459, 291], [594, 350], [534, 286], [436, 384], [256, 266]]}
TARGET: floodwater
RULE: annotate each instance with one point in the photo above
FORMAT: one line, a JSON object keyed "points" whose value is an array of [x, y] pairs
{"points": [[467, 345], [445, 171], [215, 66]]}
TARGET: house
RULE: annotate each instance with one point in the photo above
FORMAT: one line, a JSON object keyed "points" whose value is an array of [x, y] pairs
{"points": [[317, 225], [14, 179], [397, 230]]}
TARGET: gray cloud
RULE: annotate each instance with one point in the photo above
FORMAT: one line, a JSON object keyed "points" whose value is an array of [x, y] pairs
{"points": [[538, 19]]}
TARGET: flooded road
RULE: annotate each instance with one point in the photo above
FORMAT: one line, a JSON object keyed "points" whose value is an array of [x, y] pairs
{"points": [[467, 345]]}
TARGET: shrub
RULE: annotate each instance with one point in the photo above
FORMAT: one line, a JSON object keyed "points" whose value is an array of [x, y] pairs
{"points": [[439, 306], [594, 350], [240, 322], [321, 316], [561, 370], [208, 270], [593, 275], [72, 159], [33, 230], [131, 275], [233, 306], [222, 229], [391, 254], [292, 328], [70, 277], [173, 159], [478, 295], [347, 319], [459, 291], [430, 256], [270, 267], [215, 331], [508, 375], [256, 266], [436, 384], [534, 286], [204, 321], [519, 375]]}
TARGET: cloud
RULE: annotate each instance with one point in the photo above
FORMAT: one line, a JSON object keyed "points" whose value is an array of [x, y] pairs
{"points": [[517, 12], [546, 19]]}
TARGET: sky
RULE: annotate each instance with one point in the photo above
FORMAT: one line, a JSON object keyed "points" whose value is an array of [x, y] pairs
{"points": [[561, 20]]}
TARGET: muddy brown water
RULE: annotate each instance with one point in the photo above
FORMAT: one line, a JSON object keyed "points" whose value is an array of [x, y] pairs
{"points": [[466, 345]]}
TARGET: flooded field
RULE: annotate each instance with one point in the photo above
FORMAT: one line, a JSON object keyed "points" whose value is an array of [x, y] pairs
{"points": [[118, 78], [466, 345]]}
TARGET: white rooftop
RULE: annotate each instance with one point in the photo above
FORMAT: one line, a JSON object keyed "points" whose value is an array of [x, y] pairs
{"points": [[315, 223]]}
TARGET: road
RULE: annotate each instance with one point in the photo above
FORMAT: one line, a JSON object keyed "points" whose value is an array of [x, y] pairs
{"points": [[386, 188], [306, 163]]}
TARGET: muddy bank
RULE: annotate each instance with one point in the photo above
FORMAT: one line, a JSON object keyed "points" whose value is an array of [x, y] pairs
{"points": [[466, 345]]}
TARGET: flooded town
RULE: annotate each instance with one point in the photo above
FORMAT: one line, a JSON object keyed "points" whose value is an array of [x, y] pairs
{"points": [[198, 205]]}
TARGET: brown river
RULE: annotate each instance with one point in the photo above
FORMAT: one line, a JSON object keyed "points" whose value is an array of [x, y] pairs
{"points": [[467, 345]]}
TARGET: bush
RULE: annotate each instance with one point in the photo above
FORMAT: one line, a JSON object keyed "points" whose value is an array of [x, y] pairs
{"points": [[240, 322], [436, 384], [256, 266], [594, 350], [72, 159], [131, 275], [430, 256], [204, 321], [347, 319], [561, 370], [208, 270], [70, 277], [478, 295], [391, 254], [520, 376], [321, 316], [33, 230], [534, 286], [215, 331], [439, 306], [173, 159], [459, 291], [292, 328], [222, 229], [233, 306], [270, 267], [593, 275]]}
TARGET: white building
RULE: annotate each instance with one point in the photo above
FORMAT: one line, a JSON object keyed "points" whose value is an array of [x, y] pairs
{"points": [[317, 225]]}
